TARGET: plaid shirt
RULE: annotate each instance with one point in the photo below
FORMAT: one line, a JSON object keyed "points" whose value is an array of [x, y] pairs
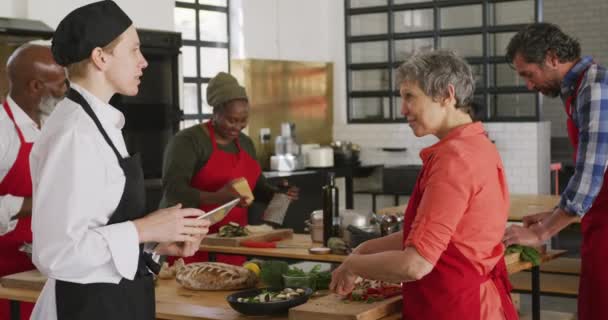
{"points": [[590, 115]]}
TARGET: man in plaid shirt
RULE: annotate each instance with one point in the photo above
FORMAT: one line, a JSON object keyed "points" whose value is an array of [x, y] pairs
{"points": [[551, 63]]}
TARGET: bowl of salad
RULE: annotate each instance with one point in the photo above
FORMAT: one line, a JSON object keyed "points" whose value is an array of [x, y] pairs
{"points": [[268, 301]]}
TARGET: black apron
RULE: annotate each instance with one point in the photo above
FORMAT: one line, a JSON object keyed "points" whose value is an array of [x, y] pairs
{"points": [[129, 299]]}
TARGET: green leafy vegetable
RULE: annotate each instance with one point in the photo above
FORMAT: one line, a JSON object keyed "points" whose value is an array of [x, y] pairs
{"points": [[272, 272], [526, 253]]}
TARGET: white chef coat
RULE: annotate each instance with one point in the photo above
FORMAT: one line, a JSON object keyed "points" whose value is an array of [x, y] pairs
{"points": [[10, 205], [78, 184]]}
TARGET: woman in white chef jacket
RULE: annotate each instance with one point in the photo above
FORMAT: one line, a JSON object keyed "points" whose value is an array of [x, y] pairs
{"points": [[89, 220]]}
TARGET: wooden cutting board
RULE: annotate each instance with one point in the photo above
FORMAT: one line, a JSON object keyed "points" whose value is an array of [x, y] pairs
{"points": [[31, 280], [215, 240], [332, 307], [512, 258]]}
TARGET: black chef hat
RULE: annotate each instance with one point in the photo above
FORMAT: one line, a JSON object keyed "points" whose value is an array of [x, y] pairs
{"points": [[86, 28]]}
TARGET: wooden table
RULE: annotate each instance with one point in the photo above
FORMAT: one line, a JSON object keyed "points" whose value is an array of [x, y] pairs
{"points": [[521, 205], [526, 204], [303, 254], [175, 303], [172, 303]]}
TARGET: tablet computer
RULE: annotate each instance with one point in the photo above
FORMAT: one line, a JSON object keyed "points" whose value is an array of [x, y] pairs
{"points": [[216, 215]]}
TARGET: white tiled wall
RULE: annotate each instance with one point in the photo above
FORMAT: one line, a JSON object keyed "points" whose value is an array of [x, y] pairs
{"points": [[523, 146]]}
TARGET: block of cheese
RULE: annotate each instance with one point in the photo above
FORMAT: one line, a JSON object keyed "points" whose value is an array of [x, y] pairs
{"points": [[241, 186], [215, 276]]}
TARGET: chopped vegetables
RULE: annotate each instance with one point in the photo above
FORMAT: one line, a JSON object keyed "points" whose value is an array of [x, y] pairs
{"points": [[232, 229], [270, 296], [371, 291]]}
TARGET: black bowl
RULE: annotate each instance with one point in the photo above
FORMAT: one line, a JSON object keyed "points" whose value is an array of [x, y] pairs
{"points": [[266, 308]]}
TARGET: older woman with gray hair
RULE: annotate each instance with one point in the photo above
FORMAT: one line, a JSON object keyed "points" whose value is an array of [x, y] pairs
{"points": [[450, 248]]}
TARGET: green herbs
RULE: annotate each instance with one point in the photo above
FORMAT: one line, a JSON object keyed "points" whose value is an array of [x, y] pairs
{"points": [[526, 253], [318, 280], [232, 229], [272, 272], [322, 280]]}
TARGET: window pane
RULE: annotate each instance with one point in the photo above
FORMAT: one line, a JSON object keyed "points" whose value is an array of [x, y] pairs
{"points": [[190, 98], [504, 75], [375, 108], [499, 43], [461, 17], [187, 1], [514, 104], [465, 46], [397, 108], [369, 80], [185, 22], [511, 12], [219, 3], [188, 123], [189, 59], [361, 52], [206, 108], [404, 48], [409, 1], [479, 106], [413, 20], [213, 60], [365, 24], [213, 26], [367, 3], [478, 75]]}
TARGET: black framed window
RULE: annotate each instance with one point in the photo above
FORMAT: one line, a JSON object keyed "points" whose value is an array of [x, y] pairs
{"points": [[380, 34], [205, 28]]}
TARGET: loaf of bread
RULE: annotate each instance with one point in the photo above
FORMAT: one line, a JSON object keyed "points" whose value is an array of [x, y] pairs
{"points": [[167, 272], [215, 276]]}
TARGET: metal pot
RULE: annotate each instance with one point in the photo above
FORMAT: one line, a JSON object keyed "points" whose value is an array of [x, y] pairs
{"points": [[353, 218], [390, 224], [345, 153]]}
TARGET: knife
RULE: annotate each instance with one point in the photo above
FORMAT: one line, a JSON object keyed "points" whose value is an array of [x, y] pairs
{"points": [[267, 244]]}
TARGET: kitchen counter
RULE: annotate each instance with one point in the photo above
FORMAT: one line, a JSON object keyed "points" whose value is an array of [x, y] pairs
{"points": [[302, 254], [521, 206], [172, 302]]}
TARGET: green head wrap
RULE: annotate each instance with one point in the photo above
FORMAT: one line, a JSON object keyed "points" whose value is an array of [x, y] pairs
{"points": [[223, 88]]}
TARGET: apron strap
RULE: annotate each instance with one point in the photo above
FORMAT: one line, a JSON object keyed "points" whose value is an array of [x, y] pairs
{"points": [[10, 115], [79, 99], [211, 131], [211, 134], [570, 100], [500, 277]]}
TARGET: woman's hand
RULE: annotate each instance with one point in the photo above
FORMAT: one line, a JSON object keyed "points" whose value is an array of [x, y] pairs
{"points": [[171, 224], [227, 193], [342, 280], [181, 249]]}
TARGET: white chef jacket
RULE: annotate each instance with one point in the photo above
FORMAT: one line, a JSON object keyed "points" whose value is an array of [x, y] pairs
{"points": [[77, 184], [10, 205]]}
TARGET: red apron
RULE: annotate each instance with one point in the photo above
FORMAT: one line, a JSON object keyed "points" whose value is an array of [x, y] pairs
{"points": [[221, 168], [454, 282], [593, 287], [17, 182]]}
